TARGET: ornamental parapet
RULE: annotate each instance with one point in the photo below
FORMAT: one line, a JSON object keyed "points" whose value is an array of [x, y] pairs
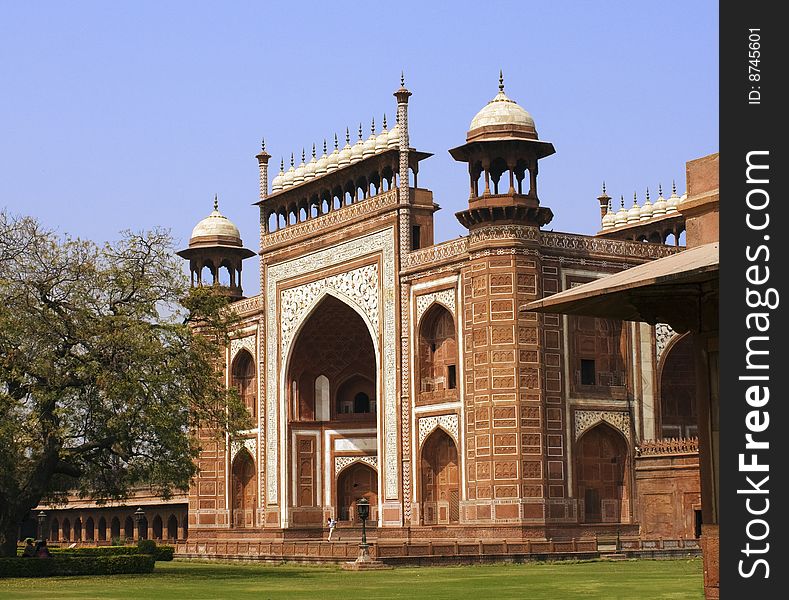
{"points": [[436, 254], [603, 246], [668, 446]]}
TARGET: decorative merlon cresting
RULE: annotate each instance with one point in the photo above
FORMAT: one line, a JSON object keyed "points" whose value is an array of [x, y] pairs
{"points": [[444, 297], [586, 419], [340, 462], [446, 422]]}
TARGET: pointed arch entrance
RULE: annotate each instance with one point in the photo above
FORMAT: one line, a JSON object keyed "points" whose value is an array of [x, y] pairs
{"points": [[244, 484], [354, 483], [440, 479], [602, 468], [331, 385]]}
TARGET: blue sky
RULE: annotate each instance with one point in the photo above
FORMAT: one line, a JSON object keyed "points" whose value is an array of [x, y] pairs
{"points": [[118, 115]]}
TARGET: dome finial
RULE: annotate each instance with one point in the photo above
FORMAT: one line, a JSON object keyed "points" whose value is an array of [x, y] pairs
{"points": [[360, 130], [621, 200], [604, 187], [216, 202], [673, 188], [635, 199], [647, 194], [501, 81], [384, 121], [402, 78], [291, 159], [313, 150], [660, 189], [347, 135], [336, 145], [282, 163], [324, 145], [302, 155], [372, 127], [263, 144]]}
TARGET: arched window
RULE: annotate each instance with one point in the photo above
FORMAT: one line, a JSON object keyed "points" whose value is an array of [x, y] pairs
{"points": [[244, 380], [322, 396], [678, 416], [438, 355], [356, 396]]}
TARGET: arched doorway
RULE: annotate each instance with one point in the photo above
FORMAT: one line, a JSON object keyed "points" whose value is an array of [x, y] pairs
{"points": [[128, 528], [102, 529], [678, 417], [90, 530], [602, 475], [438, 355], [244, 380], [331, 384], [77, 529], [244, 483], [172, 528], [66, 529], [115, 529], [157, 528], [440, 491], [356, 482], [54, 530]]}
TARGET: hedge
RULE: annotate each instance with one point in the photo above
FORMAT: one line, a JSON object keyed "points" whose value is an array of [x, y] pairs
{"points": [[76, 565], [159, 552]]}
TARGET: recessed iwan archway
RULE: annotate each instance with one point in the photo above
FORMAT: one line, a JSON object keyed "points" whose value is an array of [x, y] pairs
{"points": [[332, 391]]}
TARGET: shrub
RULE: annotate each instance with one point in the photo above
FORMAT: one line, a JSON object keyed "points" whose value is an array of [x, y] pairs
{"points": [[159, 552], [164, 553], [76, 565], [147, 546]]}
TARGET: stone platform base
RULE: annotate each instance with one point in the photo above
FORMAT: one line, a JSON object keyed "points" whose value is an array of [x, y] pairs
{"points": [[369, 565]]}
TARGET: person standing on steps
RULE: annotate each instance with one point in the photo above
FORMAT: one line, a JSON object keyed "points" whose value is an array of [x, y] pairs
{"points": [[332, 525]]}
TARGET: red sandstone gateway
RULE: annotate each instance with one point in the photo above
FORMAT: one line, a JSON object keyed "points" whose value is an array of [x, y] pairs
{"points": [[378, 364]]}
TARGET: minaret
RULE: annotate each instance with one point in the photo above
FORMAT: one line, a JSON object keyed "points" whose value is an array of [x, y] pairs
{"points": [[604, 200], [402, 94], [263, 157]]}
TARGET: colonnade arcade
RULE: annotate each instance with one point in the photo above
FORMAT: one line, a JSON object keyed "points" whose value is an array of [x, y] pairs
{"points": [[166, 523]]}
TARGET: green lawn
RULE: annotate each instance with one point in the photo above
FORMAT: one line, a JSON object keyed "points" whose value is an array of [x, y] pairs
{"points": [[628, 580]]}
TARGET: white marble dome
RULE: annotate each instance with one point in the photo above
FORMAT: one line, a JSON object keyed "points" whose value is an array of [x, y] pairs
{"points": [[216, 224], [394, 137], [501, 111]]}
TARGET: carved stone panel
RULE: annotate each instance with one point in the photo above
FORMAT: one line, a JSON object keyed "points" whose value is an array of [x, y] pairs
{"points": [[586, 419], [447, 422]]}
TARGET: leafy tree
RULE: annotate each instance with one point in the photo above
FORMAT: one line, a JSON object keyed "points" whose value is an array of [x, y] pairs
{"points": [[108, 365]]}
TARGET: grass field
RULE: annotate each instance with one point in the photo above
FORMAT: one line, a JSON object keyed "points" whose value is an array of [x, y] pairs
{"points": [[645, 579]]}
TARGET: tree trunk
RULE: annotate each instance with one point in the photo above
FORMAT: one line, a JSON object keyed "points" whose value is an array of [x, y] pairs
{"points": [[9, 531]]}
